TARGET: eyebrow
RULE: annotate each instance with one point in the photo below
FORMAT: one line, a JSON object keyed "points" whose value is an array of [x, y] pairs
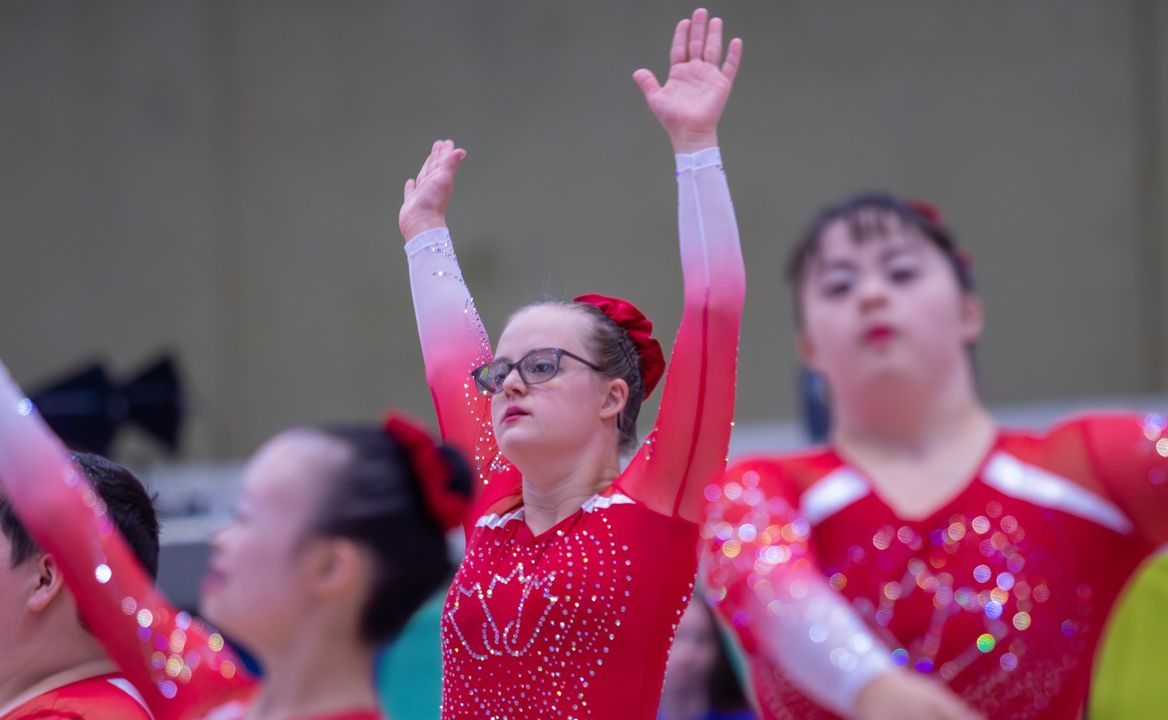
{"points": [[892, 252], [824, 265]]}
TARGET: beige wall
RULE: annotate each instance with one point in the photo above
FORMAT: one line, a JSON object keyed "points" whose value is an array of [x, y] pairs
{"points": [[1159, 189], [223, 178]]}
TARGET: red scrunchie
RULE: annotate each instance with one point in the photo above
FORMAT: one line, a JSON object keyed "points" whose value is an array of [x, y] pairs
{"points": [[925, 209], [432, 470], [932, 213], [640, 330]]}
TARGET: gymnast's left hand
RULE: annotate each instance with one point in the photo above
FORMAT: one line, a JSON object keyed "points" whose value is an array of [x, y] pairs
{"points": [[690, 103]]}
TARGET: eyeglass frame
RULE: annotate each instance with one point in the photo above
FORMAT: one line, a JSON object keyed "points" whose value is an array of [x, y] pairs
{"points": [[559, 354]]}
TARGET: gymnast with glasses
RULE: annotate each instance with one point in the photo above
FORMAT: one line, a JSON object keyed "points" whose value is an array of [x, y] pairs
{"points": [[577, 572]]}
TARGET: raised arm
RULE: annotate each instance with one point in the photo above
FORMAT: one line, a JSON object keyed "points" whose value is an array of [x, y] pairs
{"points": [[688, 446], [175, 662], [452, 335]]}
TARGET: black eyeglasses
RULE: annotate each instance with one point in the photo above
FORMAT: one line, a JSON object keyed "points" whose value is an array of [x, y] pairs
{"points": [[537, 366]]}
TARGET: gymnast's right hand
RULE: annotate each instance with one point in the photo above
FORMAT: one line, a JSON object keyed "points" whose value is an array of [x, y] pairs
{"points": [[426, 196], [903, 695]]}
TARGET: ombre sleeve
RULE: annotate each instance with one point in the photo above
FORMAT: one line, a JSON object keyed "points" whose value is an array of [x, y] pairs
{"points": [[764, 583], [177, 663], [687, 447], [455, 342]]}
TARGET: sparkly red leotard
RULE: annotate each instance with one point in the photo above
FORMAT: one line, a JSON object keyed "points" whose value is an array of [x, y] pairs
{"points": [[577, 622], [1002, 592], [180, 666], [106, 696]]}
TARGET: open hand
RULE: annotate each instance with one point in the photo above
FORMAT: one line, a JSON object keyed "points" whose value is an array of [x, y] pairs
{"points": [[691, 101], [426, 196]]}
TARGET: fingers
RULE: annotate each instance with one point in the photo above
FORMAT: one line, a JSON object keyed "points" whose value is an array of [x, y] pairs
{"points": [[647, 82], [425, 169], [733, 59], [453, 158], [677, 51], [441, 154], [713, 51], [697, 33]]}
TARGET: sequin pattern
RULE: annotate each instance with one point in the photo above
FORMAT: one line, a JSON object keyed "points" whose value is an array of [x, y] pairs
{"points": [[565, 625], [1001, 597]]}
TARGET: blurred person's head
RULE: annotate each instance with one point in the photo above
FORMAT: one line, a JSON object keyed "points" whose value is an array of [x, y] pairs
{"points": [[883, 296], [339, 531], [40, 629], [699, 679], [588, 364]]}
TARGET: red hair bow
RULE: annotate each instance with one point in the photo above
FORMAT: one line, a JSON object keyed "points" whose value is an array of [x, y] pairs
{"points": [[640, 330], [433, 471]]}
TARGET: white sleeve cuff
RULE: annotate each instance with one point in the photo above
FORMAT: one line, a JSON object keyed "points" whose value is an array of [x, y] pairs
{"points": [[709, 157]]}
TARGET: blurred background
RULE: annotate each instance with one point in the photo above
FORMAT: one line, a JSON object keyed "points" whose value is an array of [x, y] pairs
{"points": [[219, 182]]}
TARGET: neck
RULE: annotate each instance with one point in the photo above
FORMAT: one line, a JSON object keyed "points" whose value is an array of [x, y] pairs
{"points": [[555, 486], [24, 675], [317, 673], [685, 703], [910, 416]]}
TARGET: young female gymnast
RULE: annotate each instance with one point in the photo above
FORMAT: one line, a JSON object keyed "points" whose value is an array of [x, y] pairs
{"points": [[576, 572]]}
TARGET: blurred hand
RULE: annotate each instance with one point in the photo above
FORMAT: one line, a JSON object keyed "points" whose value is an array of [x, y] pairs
{"points": [[426, 196], [904, 695], [691, 101]]}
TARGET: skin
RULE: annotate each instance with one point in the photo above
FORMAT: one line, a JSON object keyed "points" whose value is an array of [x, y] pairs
{"points": [[292, 598], [39, 627], [568, 447], [887, 324]]}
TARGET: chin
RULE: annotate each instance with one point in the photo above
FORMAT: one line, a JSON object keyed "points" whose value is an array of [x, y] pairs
{"points": [[514, 442], [219, 615]]}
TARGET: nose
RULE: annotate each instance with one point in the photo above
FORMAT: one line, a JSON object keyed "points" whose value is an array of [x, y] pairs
{"points": [[513, 384], [873, 292], [219, 534]]}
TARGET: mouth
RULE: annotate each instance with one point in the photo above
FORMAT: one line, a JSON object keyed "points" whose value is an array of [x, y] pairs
{"points": [[212, 580], [513, 413], [879, 334]]}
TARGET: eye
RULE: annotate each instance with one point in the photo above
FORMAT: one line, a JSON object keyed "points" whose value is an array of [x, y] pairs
{"points": [[903, 271], [541, 366], [497, 375], [836, 280], [837, 285]]}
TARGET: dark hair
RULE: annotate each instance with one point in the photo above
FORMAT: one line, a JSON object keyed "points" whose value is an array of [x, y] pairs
{"points": [[126, 501], [865, 214], [617, 356], [377, 501]]}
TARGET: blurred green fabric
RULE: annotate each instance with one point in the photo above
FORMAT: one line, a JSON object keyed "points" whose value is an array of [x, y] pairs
{"points": [[409, 673], [1131, 675]]}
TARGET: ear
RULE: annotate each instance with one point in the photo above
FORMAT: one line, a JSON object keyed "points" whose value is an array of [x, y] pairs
{"points": [[616, 396], [806, 350], [334, 565], [972, 317], [49, 584]]}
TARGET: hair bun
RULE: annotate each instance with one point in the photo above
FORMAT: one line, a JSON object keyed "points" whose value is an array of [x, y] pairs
{"points": [[640, 330]]}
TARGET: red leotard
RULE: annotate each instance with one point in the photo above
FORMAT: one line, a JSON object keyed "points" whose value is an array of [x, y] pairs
{"points": [[1002, 592], [99, 697], [577, 622]]}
